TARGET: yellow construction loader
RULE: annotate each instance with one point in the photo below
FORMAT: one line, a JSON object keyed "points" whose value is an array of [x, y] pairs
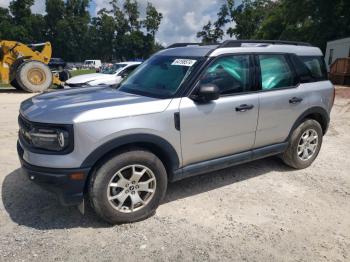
{"points": [[26, 68]]}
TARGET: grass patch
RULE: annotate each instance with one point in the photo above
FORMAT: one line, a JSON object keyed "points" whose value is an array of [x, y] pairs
{"points": [[82, 72], [4, 85]]}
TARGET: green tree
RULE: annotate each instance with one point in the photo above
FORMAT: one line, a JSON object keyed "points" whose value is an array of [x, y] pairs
{"points": [[116, 33], [248, 17], [213, 32], [153, 19], [20, 9], [6, 25], [25, 26], [132, 12]]}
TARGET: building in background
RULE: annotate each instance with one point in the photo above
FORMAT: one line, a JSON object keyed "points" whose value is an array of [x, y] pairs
{"points": [[337, 49]]}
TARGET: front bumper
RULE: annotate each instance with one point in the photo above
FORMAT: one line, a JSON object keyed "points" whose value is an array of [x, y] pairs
{"points": [[67, 184]]}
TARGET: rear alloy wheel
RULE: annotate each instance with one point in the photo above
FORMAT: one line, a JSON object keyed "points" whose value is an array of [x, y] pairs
{"points": [[34, 76], [308, 143], [128, 187], [304, 145]]}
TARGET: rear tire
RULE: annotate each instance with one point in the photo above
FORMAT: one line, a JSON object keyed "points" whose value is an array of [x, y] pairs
{"points": [[34, 76], [119, 194], [304, 145]]}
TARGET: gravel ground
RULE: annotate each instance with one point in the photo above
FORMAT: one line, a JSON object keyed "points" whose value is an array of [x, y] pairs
{"points": [[261, 211]]}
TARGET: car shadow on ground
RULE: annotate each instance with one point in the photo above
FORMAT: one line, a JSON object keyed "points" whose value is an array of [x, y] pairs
{"points": [[29, 205]]}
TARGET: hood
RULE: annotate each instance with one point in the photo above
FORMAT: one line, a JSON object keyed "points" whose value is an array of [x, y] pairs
{"points": [[82, 79], [88, 104]]}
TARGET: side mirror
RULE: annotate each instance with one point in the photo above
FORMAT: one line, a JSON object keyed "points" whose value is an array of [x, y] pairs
{"points": [[207, 93]]}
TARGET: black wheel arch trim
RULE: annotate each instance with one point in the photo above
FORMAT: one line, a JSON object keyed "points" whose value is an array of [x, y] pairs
{"points": [[165, 148], [311, 111]]}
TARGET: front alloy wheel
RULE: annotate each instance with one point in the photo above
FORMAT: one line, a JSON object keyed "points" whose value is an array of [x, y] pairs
{"points": [[131, 188], [128, 187]]}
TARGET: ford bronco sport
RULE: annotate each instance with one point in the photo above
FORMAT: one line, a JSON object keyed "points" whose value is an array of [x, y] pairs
{"points": [[187, 110]]}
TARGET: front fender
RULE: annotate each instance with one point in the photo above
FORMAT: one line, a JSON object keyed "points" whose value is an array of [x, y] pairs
{"points": [[157, 142]]}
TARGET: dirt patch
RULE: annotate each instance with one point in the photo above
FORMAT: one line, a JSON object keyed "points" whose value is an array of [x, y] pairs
{"points": [[343, 92]]}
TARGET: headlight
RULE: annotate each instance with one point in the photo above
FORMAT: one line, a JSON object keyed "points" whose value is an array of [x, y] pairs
{"points": [[49, 139], [45, 138]]}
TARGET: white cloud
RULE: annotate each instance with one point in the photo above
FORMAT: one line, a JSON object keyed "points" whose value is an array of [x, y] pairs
{"points": [[4, 3], [38, 7], [100, 4]]}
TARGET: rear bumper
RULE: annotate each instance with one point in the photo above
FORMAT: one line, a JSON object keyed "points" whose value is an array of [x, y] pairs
{"points": [[61, 181]]}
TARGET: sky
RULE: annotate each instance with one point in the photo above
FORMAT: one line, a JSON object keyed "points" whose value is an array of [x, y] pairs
{"points": [[182, 19]]}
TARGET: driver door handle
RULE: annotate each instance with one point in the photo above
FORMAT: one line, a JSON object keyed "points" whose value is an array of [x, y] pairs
{"points": [[244, 108]]}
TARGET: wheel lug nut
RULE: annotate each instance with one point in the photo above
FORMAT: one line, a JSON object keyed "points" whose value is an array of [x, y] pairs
{"points": [[132, 192], [133, 182], [127, 191]]}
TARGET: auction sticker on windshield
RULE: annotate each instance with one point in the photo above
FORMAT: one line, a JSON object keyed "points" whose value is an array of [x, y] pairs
{"points": [[184, 62]]}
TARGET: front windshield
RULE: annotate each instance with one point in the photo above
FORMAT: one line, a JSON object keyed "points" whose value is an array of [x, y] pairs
{"points": [[160, 76], [111, 69]]}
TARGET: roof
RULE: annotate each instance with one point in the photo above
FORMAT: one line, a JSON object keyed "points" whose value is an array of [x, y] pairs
{"points": [[241, 46], [340, 41], [191, 50]]}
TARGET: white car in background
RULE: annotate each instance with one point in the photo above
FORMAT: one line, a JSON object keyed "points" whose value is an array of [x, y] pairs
{"points": [[92, 64], [112, 75]]}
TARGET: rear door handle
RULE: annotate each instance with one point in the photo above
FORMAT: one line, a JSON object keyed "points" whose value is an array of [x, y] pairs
{"points": [[244, 108], [295, 100]]}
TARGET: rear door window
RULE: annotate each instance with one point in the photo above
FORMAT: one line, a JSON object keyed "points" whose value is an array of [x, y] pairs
{"points": [[275, 72]]}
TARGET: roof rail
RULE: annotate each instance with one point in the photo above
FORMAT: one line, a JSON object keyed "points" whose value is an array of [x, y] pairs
{"points": [[182, 45], [238, 43], [190, 44]]}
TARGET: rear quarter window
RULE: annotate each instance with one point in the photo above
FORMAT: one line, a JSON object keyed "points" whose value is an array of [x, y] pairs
{"points": [[316, 67]]}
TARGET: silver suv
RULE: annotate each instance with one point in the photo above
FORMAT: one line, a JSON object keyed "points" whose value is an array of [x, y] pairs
{"points": [[188, 110]]}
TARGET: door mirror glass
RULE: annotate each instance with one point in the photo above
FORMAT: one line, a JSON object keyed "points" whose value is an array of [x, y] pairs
{"points": [[207, 93]]}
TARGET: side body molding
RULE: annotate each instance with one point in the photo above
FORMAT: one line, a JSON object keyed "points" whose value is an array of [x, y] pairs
{"points": [[153, 142]]}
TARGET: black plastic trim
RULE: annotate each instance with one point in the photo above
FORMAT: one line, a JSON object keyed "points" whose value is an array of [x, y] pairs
{"points": [[177, 123], [227, 161], [313, 110], [164, 146], [57, 180]]}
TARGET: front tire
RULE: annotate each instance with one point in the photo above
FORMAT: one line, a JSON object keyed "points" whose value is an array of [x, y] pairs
{"points": [[304, 145], [128, 187]]}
